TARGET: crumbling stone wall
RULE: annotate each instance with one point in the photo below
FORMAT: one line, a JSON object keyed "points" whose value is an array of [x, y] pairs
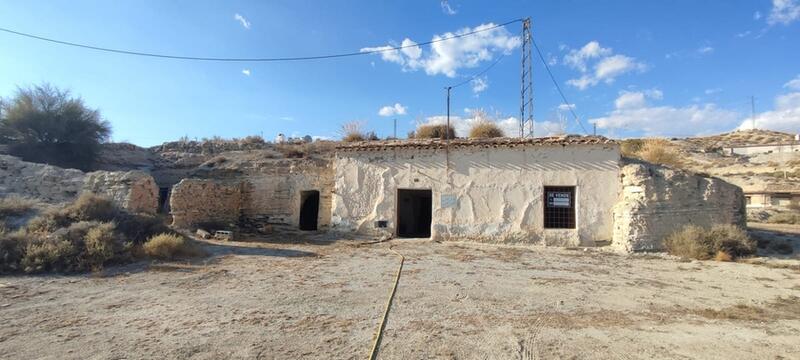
{"points": [[134, 191], [273, 193], [655, 201], [195, 201]]}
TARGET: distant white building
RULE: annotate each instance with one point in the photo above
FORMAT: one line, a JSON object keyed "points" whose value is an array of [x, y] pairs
{"points": [[280, 139]]}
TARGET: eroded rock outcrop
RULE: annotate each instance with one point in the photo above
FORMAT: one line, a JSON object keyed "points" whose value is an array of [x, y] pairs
{"points": [[655, 201], [135, 191]]}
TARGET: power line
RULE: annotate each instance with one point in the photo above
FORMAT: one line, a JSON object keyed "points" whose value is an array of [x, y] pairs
{"points": [[276, 59], [475, 76], [564, 98]]}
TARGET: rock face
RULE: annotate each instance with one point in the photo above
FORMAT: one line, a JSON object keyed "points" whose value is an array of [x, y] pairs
{"points": [[196, 201], [656, 201], [50, 184], [133, 190]]}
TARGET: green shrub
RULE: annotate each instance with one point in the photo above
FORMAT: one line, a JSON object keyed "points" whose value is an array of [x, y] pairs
{"points": [[698, 243], [101, 245], [485, 130], [170, 247], [47, 125], [50, 254], [12, 248], [137, 228], [91, 207], [435, 132]]}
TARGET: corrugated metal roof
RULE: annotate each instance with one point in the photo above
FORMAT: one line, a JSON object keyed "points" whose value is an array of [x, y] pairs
{"points": [[568, 140]]}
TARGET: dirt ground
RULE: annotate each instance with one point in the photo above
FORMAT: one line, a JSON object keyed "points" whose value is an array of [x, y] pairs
{"points": [[324, 300]]}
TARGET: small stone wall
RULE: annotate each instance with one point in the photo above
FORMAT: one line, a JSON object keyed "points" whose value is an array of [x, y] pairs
{"points": [[195, 201], [656, 201]]}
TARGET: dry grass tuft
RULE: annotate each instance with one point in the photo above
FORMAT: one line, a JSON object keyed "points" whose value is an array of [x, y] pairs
{"points": [[353, 131], [703, 244], [784, 218], [435, 132], [485, 130], [659, 151], [723, 256], [778, 309], [16, 206], [171, 246], [630, 147]]}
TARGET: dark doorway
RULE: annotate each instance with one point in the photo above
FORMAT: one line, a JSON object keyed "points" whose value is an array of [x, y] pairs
{"points": [[163, 200], [414, 208], [309, 210]]}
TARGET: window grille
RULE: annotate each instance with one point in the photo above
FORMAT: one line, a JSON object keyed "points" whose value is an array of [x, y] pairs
{"points": [[559, 207]]}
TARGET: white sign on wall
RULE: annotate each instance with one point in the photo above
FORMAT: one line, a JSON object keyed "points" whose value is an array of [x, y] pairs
{"points": [[558, 199], [448, 201]]}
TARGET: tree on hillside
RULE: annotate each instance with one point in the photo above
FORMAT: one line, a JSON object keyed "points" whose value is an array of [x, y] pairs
{"points": [[47, 125]]}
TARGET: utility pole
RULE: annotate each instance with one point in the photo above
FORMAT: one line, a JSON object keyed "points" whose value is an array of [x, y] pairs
{"points": [[395, 128], [447, 131], [526, 82], [753, 109], [595, 129]]}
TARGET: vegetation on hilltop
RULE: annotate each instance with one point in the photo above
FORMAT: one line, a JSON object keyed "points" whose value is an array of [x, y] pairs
{"points": [[45, 124]]}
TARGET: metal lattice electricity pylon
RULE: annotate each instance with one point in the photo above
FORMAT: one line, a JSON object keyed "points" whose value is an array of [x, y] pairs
{"points": [[526, 89]]}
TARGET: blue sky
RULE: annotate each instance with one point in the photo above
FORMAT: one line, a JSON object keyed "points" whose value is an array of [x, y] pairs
{"points": [[652, 68]]}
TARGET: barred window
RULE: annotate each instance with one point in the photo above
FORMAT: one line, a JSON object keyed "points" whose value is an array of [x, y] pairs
{"points": [[559, 207]]}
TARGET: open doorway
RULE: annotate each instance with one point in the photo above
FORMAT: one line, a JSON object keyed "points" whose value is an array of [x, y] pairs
{"points": [[163, 200], [309, 210], [414, 208]]}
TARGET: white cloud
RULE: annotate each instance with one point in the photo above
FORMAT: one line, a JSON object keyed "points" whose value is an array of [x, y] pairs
{"points": [[744, 34], [757, 15], [577, 58], [793, 84], [447, 9], [784, 12], [705, 50], [632, 112], [785, 116], [636, 99], [448, 56], [246, 72], [713, 91], [607, 66], [565, 107], [479, 85], [242, 20], [392, 110]]}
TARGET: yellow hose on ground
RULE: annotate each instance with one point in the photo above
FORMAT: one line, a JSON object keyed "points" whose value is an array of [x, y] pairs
{"points": [[374, 354]]}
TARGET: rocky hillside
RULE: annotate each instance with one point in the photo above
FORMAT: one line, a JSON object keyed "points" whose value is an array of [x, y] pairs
{"points": [[752, 173], [173, 161]]}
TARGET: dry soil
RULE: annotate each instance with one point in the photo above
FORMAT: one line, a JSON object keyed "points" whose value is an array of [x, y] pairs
{"points": [[325, 299]]}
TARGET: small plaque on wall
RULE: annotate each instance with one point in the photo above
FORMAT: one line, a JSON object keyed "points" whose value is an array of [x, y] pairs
{"points": [[448, 201]]}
